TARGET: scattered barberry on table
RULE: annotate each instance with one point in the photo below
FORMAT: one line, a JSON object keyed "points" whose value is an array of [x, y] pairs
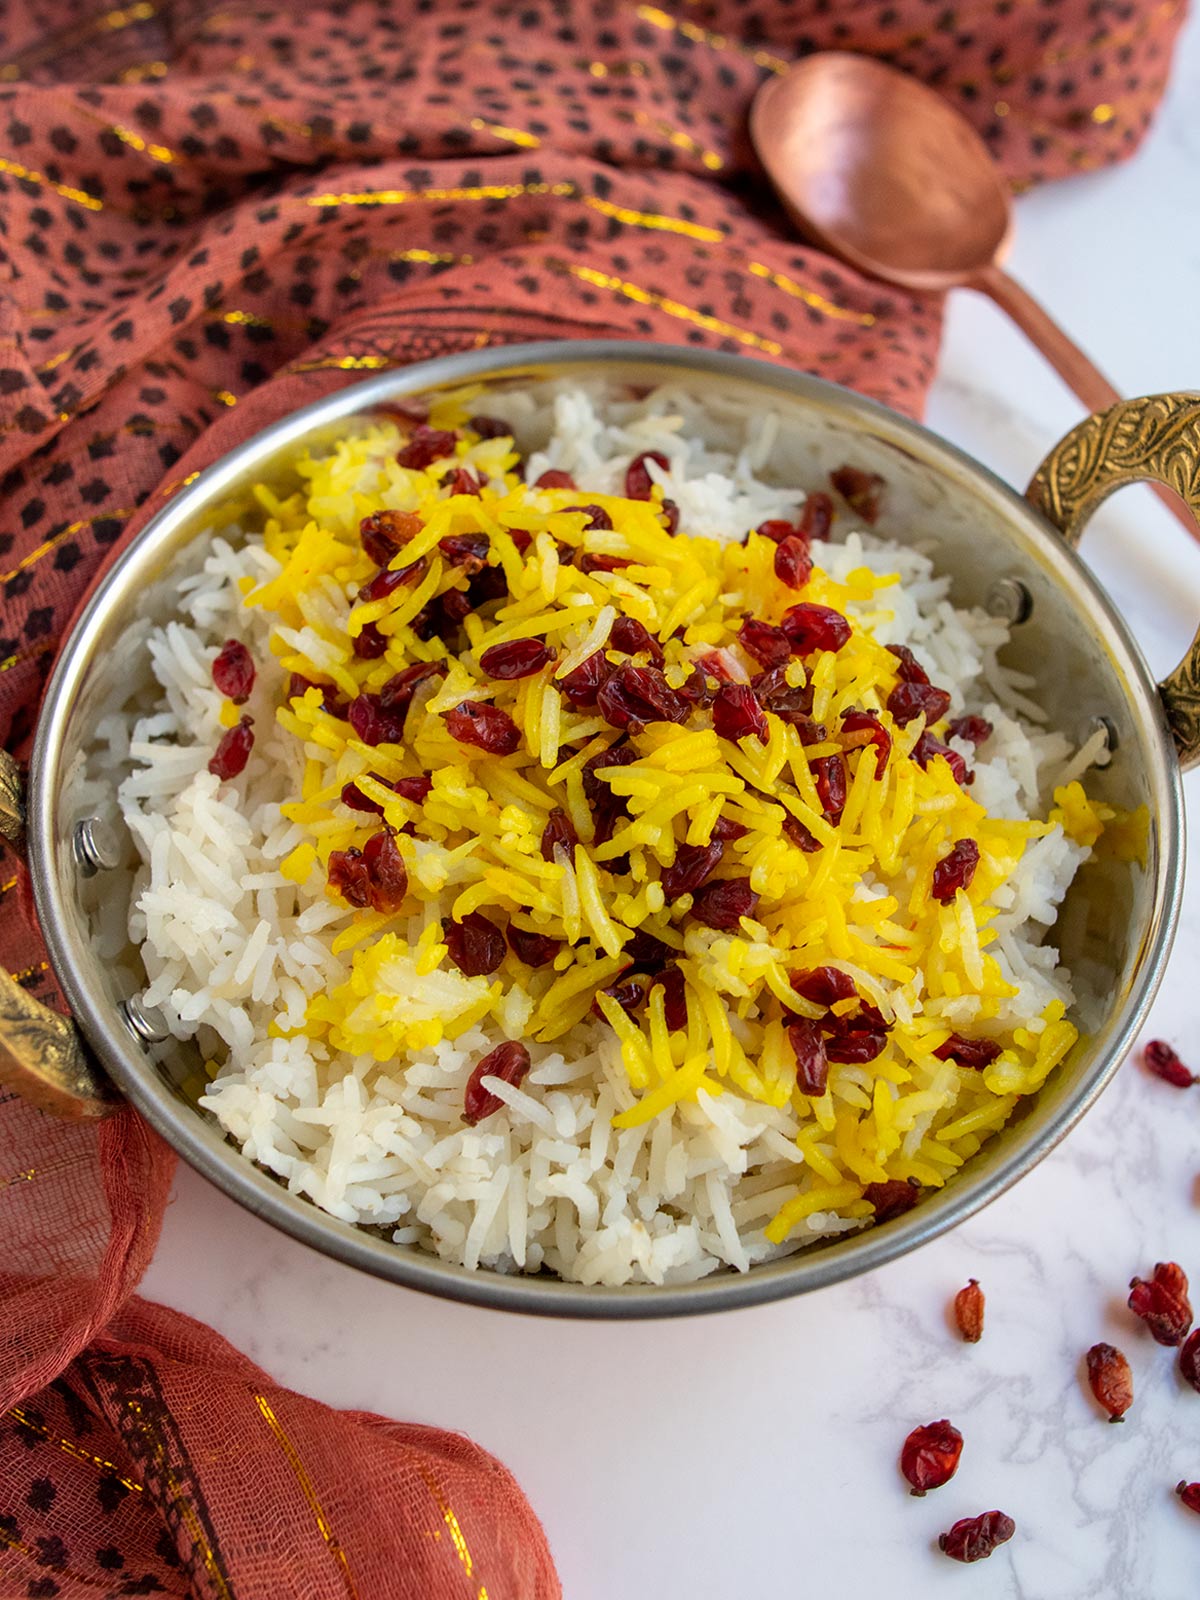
{"points": [[929, 1456], [974, 1538], [1189, 1493], [1189, 1360], [1162, 1061], [1162, 1303], [968, 1311], [1110, 1380]]}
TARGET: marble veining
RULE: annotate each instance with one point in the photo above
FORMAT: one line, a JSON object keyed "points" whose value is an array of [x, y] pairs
{"points": [[755, 1453]]}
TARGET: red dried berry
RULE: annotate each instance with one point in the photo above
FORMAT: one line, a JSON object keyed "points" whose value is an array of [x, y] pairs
{"points": [[589, 562], [855, 1044], [534, 949], [824, 986], [670, 516], [552, 478], [908, 701], [793, 564], [968, 1311], [469, 551], [1162, 1303], [607, 807], [484, 427], [384, 533], [800, 836], [582, 684], [353, 797], [892, 1198], [633, 637], [829, 775], [777, 529], [716, 665], [737, 714], [233, 672], [975, 730], [426, 446], [929, 1456], [559, 830], [633, 696], [369, 644], [766, 643], [374, 723], [974, 1538], [463, 482], [910, 669], [976, 1053], [726, 829], [388, 579], [396, 695], [816, 518], [723, 903], [1189, 1360], [520, 658], [860, 728], [627, 992], [860, 490], [638, 482], [388, 879], [1189, 1493], [475, 945], [811, 627], [596, 516], [955, 871], [331, 701], [478, 723], [674, 987], [521, 538], [812, 1064], [509, 1062], [1110, 1380], [927, 749], [347, 875], [414, 789], [1162, 1061], [233, 752], [694, 864]]}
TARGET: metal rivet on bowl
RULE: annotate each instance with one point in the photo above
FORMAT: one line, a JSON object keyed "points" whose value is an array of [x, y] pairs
{"points": [[1108, 728], [144, 1022], [1010, 599], [95, 846]]}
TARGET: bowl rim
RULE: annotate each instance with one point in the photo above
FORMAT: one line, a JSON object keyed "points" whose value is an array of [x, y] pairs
{"points": [[200, 1142]]}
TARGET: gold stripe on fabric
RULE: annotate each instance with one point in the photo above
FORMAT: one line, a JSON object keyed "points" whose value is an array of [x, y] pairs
{"points": [[454, 1527], [308, 1490], [68, 1446], [715, 41], [38, 966], [144, 72], [15, 660], [651, 219], [674, 308], [399, 197], [780, 280], [675, 137], [347, 364], [5, 887], [49, 544], [527, 141], [64, 189], [225, 397], [57, 361]]}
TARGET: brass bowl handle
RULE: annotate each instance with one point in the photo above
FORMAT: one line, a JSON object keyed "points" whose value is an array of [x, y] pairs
{"points": [[1153, 440], [42, 1057]]}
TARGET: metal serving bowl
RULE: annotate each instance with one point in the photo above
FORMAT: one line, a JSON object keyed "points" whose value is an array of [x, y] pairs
{"points": [[1001, 553]]}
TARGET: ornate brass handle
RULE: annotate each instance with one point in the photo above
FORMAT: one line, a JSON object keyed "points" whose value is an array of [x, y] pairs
{"points": [[42, 1057], [1152, 440]]}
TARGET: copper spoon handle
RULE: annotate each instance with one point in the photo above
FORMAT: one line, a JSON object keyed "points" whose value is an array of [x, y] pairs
{"points": [[1078, 371]]}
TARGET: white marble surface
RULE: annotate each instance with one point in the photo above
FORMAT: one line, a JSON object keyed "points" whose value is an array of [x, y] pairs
{"points": [[754, 1453]]}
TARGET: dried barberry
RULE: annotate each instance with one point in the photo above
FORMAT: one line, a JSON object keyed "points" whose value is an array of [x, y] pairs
{"points": [[929, 1456], [582, 684], [955, 871], [589, 561], [475, 945], [559, 830], [824, 986], [892, 1198], [353, 797], [347, 875], [638, 482], [597, 518], [396, 695], [722, 904], [799, 835], [694, 864], [461, 481], [479, 723], [1110, 1380], [1189, 1360], [975, 730], [670, 515], [861, 728], [855, 1043], [233, 671], [968, 1311], [829, 775], [484, 427], [534, 949], [927, 749], [509, 1062], [374, 723], [1162, 1061], [974, 1538], [233, 752], [908, 701], [633, 637], [777, 529], [426, 446], [607, 808], [726, 829], [976, 1053], [384, 533], [633, 696], [674, 987], [518, 658], [860, 490], [388, 580], [909, 669], [793, 564], [737, 714], [468, 551], [627, 992], [414, 789], [811, 627], [1162, 1303], [812, 1064], [766, 643], [553, 478], [816, 518], [368, 643], [1189, 1493], [388, 878]]}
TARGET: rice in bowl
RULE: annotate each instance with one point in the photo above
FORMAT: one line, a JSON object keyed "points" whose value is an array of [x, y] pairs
{"points": [[731, 1052]]}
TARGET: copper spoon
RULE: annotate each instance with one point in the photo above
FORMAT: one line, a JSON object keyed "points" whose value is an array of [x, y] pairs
{"points": [[883, 173]]}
